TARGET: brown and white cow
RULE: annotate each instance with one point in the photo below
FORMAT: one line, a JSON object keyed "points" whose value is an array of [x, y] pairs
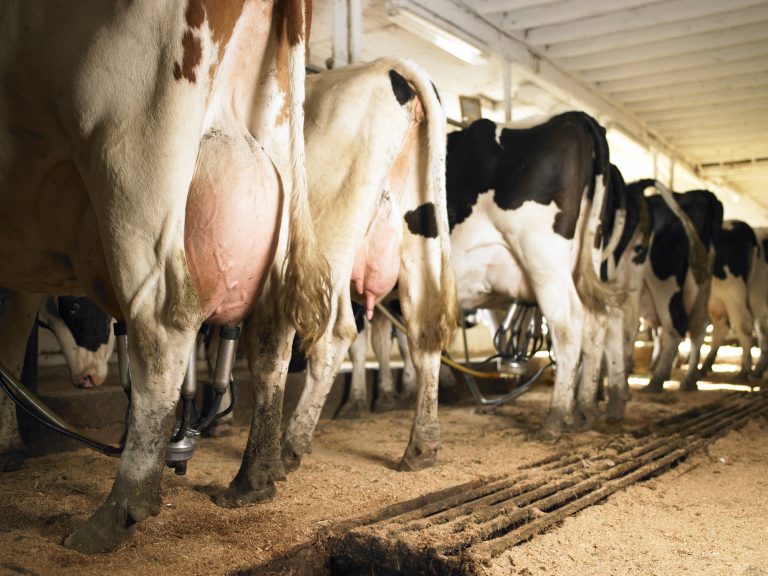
{"points": [[151, 157], [375, 141]]}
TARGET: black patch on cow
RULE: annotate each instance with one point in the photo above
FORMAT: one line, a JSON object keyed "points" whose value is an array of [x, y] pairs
{"points": [[472, 164], [669, 253], [678, 314], [298, 361], [733, 248], [552, 162], [765, 250], [403, 91], [88, 323], [422, 221], [632, 201], [358, 313], [641, 253]]}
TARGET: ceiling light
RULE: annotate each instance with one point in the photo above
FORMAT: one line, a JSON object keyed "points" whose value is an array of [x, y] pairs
{"points": [[425, 29]]}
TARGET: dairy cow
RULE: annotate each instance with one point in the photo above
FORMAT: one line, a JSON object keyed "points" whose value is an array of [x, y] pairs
{"points": [[610, 333], [84, 333], [151, 158], [524, 208], [758, 299], [734, 288], [676, 287], [375, 141]]}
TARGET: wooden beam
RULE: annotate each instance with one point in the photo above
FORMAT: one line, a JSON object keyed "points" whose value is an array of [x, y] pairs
{"points": [[610, 41], [706, 45], [672, 63], [564, 11], [716, 72], [755, 109], [737, 132], [653, 14], [736, 82], [726, 95], [493, 6]]}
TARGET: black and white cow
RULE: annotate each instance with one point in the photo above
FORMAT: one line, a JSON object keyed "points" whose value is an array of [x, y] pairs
{"points": [[736, 260], [84, 332], [628, 224], [758, 299], [524, 207], [677, 285]]}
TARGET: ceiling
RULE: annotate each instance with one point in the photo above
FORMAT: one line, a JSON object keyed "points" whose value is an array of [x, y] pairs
{"points": [[688, 78]]}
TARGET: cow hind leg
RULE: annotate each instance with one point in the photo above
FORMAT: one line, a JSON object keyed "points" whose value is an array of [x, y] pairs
{"points": [[322, 369], [409, 384], [381, 341], [719, 332], [356, 405], [591, 373], [158, 361], [268, 346], [669, 340], [615, 354], [761, 328], [17, 317]]}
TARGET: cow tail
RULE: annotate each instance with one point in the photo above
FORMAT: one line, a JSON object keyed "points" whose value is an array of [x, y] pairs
{"points": [[306, 298], [698, 255], [596, 294], [437, 150]]}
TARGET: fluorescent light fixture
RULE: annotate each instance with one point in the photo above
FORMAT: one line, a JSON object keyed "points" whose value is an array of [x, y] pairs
{"points": [[425, 29]]}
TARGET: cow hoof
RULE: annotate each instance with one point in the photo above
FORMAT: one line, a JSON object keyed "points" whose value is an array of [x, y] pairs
{"points": [[12, 460], [104, 532], [352, 410], [416, 459], [236, 497], [291, 460], [385, 403], [652, 389]]}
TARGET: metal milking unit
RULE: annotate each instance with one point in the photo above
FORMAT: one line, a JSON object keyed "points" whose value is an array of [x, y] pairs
{"points": [[181, 446]]}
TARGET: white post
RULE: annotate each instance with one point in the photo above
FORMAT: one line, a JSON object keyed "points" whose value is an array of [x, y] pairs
{"points": [[340, 54], [355, 14]]}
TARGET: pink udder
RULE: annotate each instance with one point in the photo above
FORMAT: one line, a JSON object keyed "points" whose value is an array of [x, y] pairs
{"points": [[377, 262], [232, 223]]}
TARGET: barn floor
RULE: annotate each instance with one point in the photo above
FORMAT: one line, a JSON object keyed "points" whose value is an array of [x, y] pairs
{"points": [[709, 515]]}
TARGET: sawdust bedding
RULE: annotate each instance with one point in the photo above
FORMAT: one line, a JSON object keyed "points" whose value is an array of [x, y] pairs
{"points": [[707, 516]]}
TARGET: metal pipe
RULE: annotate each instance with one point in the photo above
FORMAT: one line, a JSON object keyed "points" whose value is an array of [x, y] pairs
{"points": [[222, 374]]}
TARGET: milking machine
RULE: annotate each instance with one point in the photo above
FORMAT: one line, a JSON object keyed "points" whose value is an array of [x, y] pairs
{"points": [[181, 446], [184, 440], [516, 340]]}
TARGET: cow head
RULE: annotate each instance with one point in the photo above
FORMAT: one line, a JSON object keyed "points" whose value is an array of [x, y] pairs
{"points": [[83, 332]]}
